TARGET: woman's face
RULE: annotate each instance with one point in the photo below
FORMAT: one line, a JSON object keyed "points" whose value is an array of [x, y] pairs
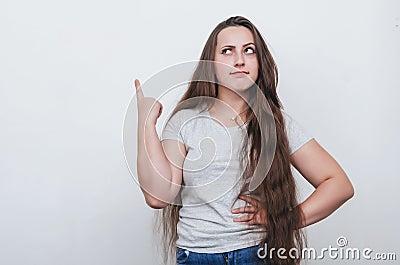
{"points": [[236, 52]]}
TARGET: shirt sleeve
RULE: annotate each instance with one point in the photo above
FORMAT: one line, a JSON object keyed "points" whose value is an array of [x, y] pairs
{"points": [[297, 135], [173, 129]]}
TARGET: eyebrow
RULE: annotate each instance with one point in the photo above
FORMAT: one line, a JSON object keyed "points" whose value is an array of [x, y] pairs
{"points": [[232, 46]]}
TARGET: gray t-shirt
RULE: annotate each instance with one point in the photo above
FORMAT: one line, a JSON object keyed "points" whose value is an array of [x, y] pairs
{"points": [[212, 181]]}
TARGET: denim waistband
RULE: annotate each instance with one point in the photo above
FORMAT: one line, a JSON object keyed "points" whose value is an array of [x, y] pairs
{"points": [[247, 255]]}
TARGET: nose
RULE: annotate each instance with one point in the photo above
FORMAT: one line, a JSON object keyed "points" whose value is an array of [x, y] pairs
{"points": [[239, 60]]}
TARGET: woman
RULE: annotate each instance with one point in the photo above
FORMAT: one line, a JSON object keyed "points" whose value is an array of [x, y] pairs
{"points": [[228, 222]]}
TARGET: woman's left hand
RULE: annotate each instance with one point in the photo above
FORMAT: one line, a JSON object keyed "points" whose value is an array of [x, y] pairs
{"points": [[256, 213]]}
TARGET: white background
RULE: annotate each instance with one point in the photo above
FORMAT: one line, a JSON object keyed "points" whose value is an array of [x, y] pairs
{"points": [[67, 67]]}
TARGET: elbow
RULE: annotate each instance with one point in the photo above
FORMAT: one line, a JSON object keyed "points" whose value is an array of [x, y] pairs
{"points": [[157, 202], [154, 203], [156, 206], [348, 191], [351, 192]]}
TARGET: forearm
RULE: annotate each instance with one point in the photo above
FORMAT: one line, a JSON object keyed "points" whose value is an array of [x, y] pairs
{"points": [[327, 197], [154, 172]]}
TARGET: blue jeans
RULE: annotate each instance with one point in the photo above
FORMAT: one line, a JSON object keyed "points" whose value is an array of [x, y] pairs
{"points": [[244, 256]]}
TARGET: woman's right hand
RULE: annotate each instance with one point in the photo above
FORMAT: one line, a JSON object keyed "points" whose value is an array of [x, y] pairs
{"points": [[149, 109]]}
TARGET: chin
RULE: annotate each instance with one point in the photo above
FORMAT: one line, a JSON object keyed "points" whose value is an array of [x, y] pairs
{"points": [[240, 86]]}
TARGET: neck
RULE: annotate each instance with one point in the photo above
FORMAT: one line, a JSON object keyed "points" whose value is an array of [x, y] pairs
{"points": [[231, 99]]}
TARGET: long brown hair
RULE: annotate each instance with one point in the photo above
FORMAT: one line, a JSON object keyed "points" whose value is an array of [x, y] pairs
{"points": [[278, 188]]}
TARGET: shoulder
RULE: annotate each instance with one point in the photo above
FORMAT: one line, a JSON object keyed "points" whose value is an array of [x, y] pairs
{"points": [[290, 122], [297, 135], [183, 115], [182, 118]]}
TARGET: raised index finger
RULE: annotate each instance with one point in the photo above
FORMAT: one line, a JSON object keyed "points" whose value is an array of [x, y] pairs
{"points": [[139, 92]]}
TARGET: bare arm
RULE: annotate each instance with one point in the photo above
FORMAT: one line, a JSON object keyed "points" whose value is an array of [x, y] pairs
{"points": [[158, 165], [320, 169]]}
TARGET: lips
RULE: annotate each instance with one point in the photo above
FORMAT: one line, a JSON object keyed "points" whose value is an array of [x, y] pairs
{"points": [[240, 72]]}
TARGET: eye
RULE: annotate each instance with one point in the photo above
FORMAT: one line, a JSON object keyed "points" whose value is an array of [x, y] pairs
{"points": [[227, 51], [249, 50]]}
